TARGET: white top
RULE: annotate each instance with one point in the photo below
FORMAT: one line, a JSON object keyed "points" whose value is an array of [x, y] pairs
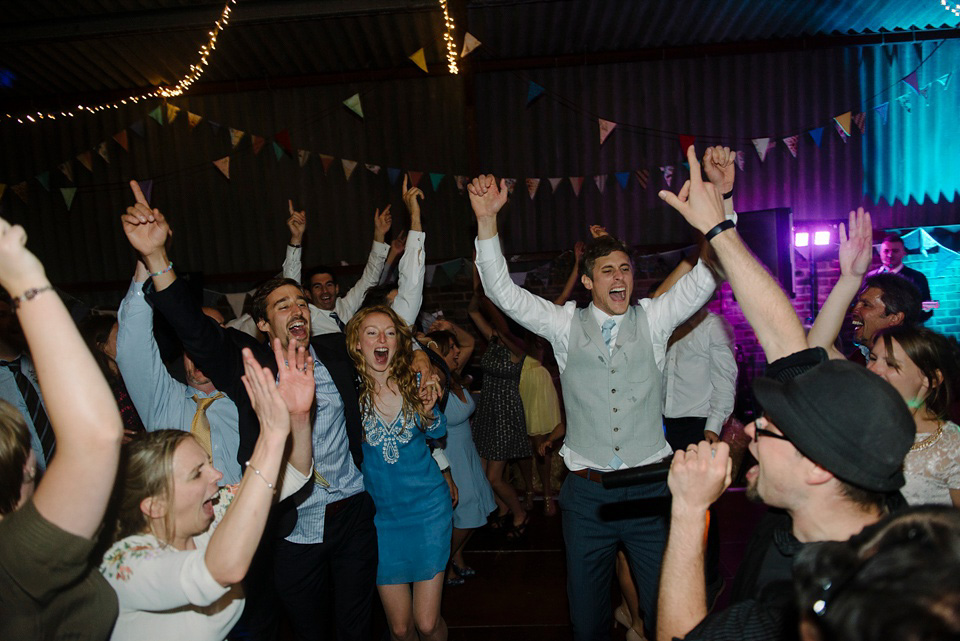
{"points": [[700, 373], [553, 322], [166, 593], [932, 472]]}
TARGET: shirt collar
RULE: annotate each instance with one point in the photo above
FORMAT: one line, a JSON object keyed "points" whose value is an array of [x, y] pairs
{"points": [[600, 315]]}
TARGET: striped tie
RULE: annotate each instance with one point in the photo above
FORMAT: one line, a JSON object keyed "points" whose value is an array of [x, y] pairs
{"points": [[336, 319], [38, 414]]}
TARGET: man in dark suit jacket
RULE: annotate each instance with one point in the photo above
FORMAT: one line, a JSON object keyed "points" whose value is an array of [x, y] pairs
{"points": [[892, 251], [324, 556]]}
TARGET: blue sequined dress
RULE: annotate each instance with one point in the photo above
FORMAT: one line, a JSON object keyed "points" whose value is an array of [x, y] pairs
{"points": [[414, 516]]}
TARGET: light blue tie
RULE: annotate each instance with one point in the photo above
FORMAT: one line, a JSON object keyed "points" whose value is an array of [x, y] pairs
{"points": [[607, 330]]}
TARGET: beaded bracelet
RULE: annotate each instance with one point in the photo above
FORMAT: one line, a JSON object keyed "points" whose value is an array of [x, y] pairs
{"points": [[273, 487], [163, 271], [29, 295]]}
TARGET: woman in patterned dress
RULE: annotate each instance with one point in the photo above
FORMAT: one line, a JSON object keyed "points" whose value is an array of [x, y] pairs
{"points": [[414, 516], [183, 543]]}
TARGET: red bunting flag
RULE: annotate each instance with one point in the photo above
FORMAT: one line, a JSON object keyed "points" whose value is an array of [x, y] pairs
{"points": [[576, 182], [643, 177], [86, 159], [326, 161], [415, 177], [686, 142], [283, 139], [258, 142], [791, 142]]}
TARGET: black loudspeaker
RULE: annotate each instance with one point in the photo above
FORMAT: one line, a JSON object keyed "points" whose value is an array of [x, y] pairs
{"points": [[768, 233]]}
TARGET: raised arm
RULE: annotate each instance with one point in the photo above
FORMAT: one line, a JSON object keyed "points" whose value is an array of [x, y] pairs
{"points": [[464, 338], [764, 304], [855, 254], [296, 385], [82, 411], [413, 263], [297, 224], [572, 278], [352, 300]]}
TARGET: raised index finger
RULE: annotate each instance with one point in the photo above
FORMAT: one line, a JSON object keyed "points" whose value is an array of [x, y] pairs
{"points": [[695, 178], [138, 194]]}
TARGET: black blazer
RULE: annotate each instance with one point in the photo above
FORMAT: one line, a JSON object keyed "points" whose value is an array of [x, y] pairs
{"points": [[217, 352]]}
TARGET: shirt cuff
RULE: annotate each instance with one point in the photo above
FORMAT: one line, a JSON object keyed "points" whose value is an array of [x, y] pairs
{"points": [[380, 249], [488, 249]]}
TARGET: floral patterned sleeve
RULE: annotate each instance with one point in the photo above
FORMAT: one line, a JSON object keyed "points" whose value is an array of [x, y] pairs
{"points": [[148, 575]]}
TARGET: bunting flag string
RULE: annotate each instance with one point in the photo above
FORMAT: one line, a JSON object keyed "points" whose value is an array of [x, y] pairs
{"points": [[511, 184], [817, 135], [157, 114], [393, 174], [843, 122], [20, 189], [461, 183], [282, 138], [762, 146], [861, 121], [137, 128], [740, 159], [277, 150]]}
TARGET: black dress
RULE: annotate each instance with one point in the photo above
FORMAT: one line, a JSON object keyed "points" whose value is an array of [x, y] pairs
{"points": [[499, 429]]}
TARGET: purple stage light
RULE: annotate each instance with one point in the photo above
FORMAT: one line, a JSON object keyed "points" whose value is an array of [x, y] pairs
{"points": [[821, 237], [801, 239]]}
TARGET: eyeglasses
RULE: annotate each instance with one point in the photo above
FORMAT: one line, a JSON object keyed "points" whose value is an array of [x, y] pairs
{"points": [[759, 431]]}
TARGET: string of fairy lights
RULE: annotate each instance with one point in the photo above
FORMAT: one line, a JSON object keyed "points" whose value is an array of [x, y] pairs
{"points": [[178, 89], [448, 39], [952, 7]]}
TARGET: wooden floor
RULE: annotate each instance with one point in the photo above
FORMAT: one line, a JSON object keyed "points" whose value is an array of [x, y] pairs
{"points": [[519, 592]]}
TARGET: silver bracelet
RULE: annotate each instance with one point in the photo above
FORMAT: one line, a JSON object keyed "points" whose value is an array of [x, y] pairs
{"points": [[273, 487]]}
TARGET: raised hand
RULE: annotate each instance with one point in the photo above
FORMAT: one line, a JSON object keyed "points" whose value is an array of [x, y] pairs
{"points": [[295, 376], [411, 198], [596, 231], [382, 221], [699, 475], [429, 391], [700, 203], [441, 325], [296, 223], [856, 251], [264, 396], [720, 167], [146, 228], [20, 270], [397, 246], [578, 250], [486, 197]]}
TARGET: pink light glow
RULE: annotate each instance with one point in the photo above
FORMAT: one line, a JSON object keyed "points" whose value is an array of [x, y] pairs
{"points": [[801, 239], [821, 238]]}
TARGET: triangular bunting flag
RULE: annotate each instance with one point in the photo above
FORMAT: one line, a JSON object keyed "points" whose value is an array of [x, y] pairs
{"points": [[667, 171], [911, 80], [258, 142], [44, 179], [172, 112], [156, 114], [944, 80], [435, 180], [303, 156], [843, 120], [235, 137], [193, 119], [374, 169], [791, 143], [104, 152], [740, 159], [882, 110], [686, 142], [606, 126], [911, 241], [925, 92], [601, 182], [534, 91], [461, 183], [643, 177], [67, 170], [277, 150], [532, 185], [86, 159], [576, 182], [945, 258], [469, 44], [860, 120], [817, 135], [215, 126], [283, 139], [511, 184], [137, 128], [146, 188], [554, 183], [68, 193], [326, 161], [236, 302], [623, 177], [348, 167], [762, 145], [223, 165], [392, 174], [840, 132], [121, 139], [904, 101], [418, 59], [415, 177], [353, 104], [20, 189]]}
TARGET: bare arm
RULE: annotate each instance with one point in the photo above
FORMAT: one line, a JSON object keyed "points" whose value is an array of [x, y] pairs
{"points": [[685, 266], [465, 339], [855, 254], [764, 304], [82, 411], [572, 278]]}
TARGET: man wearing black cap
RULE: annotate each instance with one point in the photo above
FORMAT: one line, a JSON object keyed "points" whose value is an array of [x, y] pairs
{"points": [[830, 448]]}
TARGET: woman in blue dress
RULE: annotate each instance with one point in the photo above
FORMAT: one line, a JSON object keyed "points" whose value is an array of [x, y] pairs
{"points": [[414, 510]]}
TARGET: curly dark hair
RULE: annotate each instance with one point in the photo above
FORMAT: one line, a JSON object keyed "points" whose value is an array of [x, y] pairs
{"points": [[899, 296], [258, 304]]}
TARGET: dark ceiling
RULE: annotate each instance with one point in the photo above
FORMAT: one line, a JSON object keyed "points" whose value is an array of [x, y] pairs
{"points": [[55, 53]]}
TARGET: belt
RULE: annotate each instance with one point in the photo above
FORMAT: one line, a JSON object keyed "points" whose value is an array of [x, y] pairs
{"points": [[590, 475], [339, 506]]}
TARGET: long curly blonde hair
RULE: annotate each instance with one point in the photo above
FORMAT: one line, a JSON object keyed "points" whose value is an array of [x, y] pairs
{"points": [[400, 368]]}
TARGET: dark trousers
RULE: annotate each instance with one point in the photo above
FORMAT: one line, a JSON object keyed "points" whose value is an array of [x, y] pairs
{"points": [[680, 433], [331, 581], [595, 522]]}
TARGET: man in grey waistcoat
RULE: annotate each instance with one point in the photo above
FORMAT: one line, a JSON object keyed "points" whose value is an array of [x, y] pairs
{"points": [[610, 355]]}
